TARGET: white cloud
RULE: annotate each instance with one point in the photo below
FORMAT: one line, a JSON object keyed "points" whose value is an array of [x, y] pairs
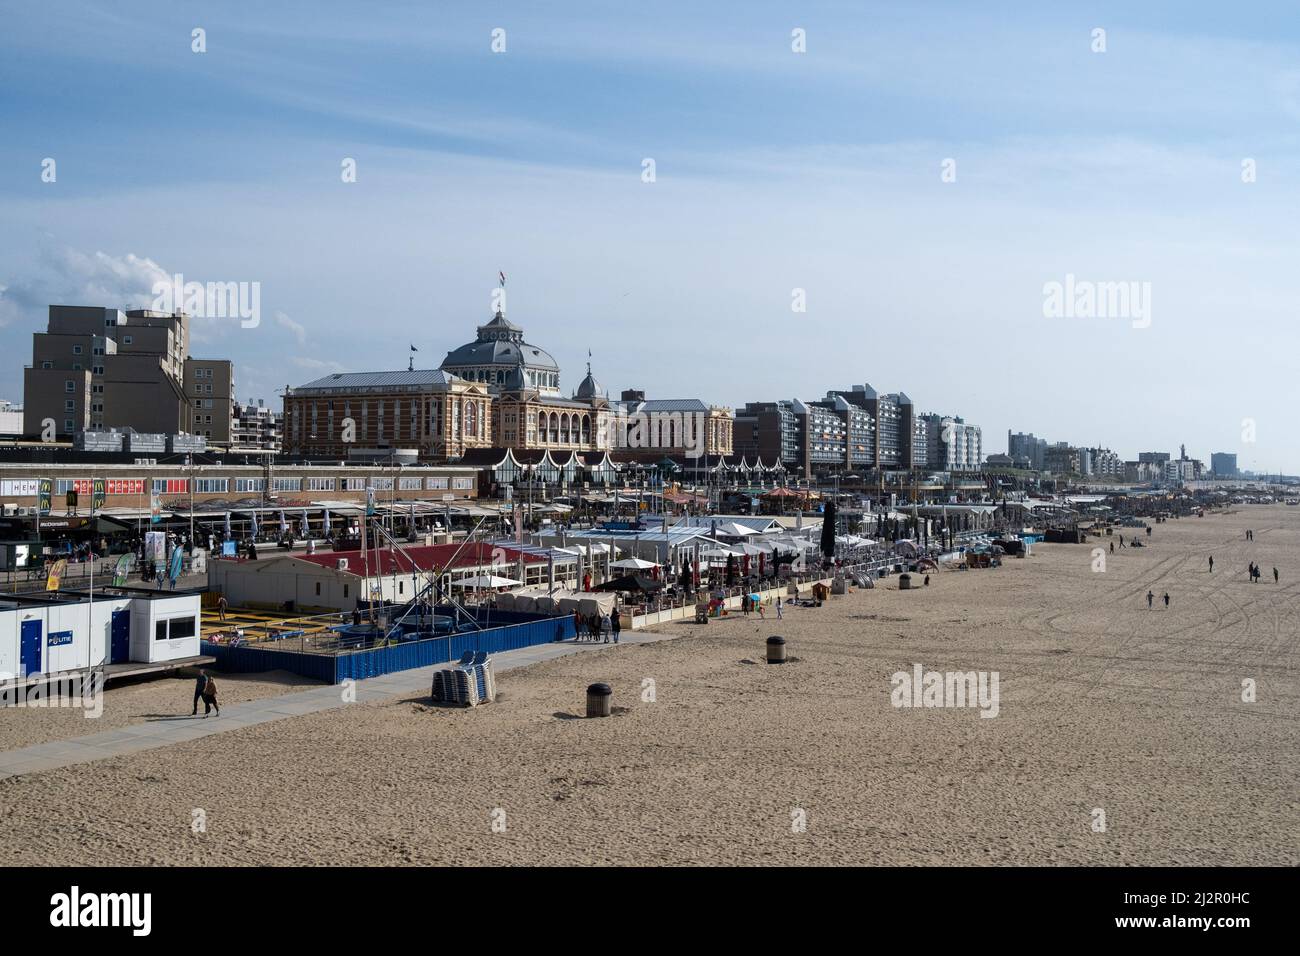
{"points": [[297, 328], [67, 276]]}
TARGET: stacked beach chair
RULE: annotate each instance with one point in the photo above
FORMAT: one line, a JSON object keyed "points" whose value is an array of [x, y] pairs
{"points": [[468, 683]]}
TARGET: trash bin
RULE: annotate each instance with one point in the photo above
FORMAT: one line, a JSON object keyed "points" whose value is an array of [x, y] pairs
{"points": [[599, 698], [904, 582], [776, 650]]}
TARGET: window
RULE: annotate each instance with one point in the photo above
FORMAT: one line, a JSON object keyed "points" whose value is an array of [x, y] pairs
{"points": [[318, 589], [180, 627], [211, 485], [47, 365], [174, 629], [126, 340], [462, 484], [67, 424], [76, 366], [345, 590], [69, 406], [69, 385], [76, 350], [98, 370], [320, 484], [409, 484]]}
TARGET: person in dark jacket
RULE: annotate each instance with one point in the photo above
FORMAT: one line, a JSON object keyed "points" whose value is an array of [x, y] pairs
{"points": [[616, 623], [199, 686]]}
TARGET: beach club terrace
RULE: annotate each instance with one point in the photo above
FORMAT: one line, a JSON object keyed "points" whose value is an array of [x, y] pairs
{"points": [[335, 581]]}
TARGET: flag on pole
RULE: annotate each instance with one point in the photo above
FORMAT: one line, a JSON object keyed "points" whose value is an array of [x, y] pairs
{"points": [[284, 525], [122, 570], [327, 521], [227, 525], [174, 567], [414, 349], [503, 277], [252, 524]]}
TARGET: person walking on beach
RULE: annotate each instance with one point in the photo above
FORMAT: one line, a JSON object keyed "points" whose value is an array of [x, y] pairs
{"points": [[761, 615], [778, 607], [1275, 575], [200, 685], [616, 623], [210, 698], [1112, 547], [578, 625], [1166, 599], [1150, 597], [221, 607], [1211, 564]]}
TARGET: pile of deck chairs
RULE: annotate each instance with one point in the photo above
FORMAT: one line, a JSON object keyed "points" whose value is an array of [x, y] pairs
{"points": [[470, 681]]}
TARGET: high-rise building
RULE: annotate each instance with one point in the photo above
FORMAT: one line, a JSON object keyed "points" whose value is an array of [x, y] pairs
{"points": [[1026, 450], [951, 444], [770, 431], [1223, 464], [97, 368], [892, 416], [210, 393]]}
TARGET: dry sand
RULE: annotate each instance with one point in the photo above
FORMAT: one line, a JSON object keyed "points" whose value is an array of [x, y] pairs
{"points": [[1103, 705], [135, 702]]}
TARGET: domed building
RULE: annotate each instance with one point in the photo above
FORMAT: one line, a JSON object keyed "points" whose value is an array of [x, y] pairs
{"points": [[500, 358]]}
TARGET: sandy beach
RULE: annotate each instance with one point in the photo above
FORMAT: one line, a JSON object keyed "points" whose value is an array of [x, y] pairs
{"points": [[1103, 705], [128, 703]]}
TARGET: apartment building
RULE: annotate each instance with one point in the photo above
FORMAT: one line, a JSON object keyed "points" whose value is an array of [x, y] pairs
{"points": [[100, 368], [210, 394]]}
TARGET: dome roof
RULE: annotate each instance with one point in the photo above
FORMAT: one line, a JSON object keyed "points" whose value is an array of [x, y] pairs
{"points": [[499, 342], [589, 388], [515, 379]]}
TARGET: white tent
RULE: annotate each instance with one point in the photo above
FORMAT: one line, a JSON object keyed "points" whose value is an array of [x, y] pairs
{"points": [[486, 581], [734, 529], [634, 564]]}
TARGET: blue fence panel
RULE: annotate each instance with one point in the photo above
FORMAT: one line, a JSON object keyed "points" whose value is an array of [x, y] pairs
{"points": [[247, 660], [357, 665]]}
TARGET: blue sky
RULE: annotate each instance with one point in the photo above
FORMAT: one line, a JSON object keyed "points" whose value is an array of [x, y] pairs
{"points": [[774, 171]]}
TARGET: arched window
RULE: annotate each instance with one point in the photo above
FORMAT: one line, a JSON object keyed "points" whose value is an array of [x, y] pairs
{"points": [[471, 420], [586, 429]]}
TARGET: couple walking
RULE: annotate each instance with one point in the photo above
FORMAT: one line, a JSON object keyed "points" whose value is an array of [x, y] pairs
{"points": [[206, 688]]}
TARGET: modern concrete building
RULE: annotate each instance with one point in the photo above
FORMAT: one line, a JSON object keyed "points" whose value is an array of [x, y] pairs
{"points": [[1026, 450], [892, 416], [1224, 464], [769, 431], [951, 444], [95, 368], [210, 393], [11, 419], [257, 426]]}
